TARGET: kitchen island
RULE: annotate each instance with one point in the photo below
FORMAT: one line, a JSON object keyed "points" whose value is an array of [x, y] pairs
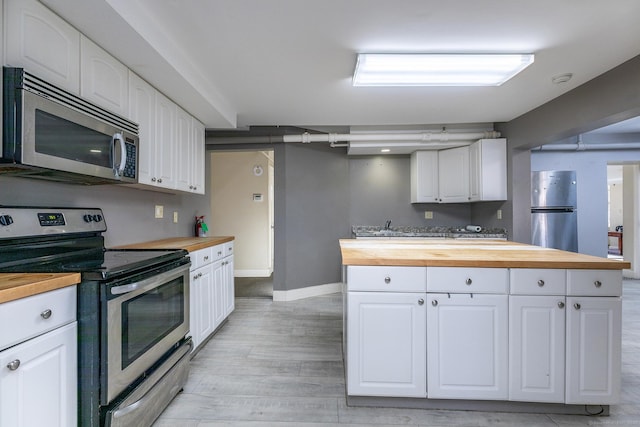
{"points": [[483, 325]]}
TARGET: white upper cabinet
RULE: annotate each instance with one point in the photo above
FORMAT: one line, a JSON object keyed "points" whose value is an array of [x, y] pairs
{"points": [[165, 142], [103, 79], [41, 42], [197, 158], [184, 150], [142, 110], [488, 170]]}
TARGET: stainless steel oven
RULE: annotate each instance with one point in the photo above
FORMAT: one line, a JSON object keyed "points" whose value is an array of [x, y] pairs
{"points": [[132, 310], [146, 316]]}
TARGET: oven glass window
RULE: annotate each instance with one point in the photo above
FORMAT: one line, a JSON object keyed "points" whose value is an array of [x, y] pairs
{"points": [[149, 317], [59, 137]]}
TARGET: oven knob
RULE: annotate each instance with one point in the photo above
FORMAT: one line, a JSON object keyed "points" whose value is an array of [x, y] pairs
{"points": [[97, 218], [6, 220], [87, 218]]}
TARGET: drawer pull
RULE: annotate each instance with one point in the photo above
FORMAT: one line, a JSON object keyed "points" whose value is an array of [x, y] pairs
{"points": [[46, 314], [577, 306], [387, 279], [541, 283], [420, 301], [597, 283], [434, 302], [13, 365], [219, 252], [206, 258], [560, 304], [468, 281]]}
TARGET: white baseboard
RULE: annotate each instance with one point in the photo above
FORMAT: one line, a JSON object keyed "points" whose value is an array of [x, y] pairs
{"points": [[252, 273], [310, 291]]}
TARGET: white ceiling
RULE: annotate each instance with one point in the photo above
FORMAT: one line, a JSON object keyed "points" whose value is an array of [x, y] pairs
{"points": [[289, 62]]}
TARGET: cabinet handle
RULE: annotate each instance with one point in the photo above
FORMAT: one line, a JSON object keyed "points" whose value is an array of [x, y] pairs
{"points": [[153, 179], [46, 314], [420, 301], [434, 302], [387, 279], [577, 306], [206, 258], [560, 304], [159, 180], [219, 252], [468, 281], [541, 283], [597, 283], [13, 365]]}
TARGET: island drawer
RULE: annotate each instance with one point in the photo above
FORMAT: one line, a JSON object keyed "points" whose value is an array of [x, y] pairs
{"points": [[201, 257], [31, 316], [228, 249], [386, 279], [468, 280], [594, 282], [538, 281]]}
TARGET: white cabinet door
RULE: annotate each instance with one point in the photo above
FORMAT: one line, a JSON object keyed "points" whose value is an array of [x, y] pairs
{"points": [[165, 149], [201, 307], [424, 177], [42, 389], [594, 336], [453, 175], [142, 110], [386, 342], [103, 79], [467, 349], [219, 285], [536, 348], [229, 291], [184, 150], [488, 170], [43, 43], [198, 153]]}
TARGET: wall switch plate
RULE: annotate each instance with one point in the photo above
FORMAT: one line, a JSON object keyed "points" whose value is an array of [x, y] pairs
{"points": [[428, 215], [499, 214], [175, 217], [159, 211]]}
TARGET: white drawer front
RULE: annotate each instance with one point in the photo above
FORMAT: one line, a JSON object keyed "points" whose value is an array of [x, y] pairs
{"points": [[217, 252], [31, 316], [594, 282], [468, 280], [538, 281], [201, 257], [228, 248], [386, 279]]}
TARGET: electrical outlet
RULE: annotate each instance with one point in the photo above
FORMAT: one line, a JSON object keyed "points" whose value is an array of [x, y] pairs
{"points": [[159, 211], [428, 215], [175, 217], [499, 214]]}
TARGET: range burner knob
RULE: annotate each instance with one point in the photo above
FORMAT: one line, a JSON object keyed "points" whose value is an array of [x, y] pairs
{"points": [[6, 220], [87, 218], [97, 218]]}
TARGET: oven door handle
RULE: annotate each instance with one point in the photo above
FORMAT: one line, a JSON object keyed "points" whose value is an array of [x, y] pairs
{"points": [[149, 282], [125, 289]]}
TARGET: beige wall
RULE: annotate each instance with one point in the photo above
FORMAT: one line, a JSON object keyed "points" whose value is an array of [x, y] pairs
{"points": [[234, 211]]}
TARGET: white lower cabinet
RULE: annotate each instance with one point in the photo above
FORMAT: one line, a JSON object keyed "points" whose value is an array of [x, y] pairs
{"points": [[386, 341], [594, 339], [537, 348], [467, 350], [212, 295], [38, 380]]}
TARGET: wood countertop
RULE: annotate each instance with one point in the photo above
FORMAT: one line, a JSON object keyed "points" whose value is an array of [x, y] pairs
{"points": [[14, 286], [467, 253], [188, 243]]}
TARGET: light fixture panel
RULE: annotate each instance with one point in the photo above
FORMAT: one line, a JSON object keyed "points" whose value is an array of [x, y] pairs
{"points": [[374, 69]]}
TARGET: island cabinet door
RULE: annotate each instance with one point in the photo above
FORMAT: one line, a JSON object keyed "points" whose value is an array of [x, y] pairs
{"points": [[536, 348], [467, 350], [594, 336], [386, 344]]}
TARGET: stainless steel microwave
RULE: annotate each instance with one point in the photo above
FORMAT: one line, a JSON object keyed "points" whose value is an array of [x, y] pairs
{"points": [[50, 133]]}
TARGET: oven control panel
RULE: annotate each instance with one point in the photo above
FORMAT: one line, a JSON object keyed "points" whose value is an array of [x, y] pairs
{"points": [[16, 222]]}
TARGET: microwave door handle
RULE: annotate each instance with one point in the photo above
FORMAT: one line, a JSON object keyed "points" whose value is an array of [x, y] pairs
{"points": [[117, 171]]}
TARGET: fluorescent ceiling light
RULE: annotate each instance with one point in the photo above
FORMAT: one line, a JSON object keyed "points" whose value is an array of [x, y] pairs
{"points": [[375, 69]]}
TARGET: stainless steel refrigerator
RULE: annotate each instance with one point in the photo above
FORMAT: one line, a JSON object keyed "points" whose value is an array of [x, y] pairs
{"points": [[554, 215]]}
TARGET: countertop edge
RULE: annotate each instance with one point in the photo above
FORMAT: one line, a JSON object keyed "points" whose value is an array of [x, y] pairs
{"points": [[189, 244], [14, 286]]}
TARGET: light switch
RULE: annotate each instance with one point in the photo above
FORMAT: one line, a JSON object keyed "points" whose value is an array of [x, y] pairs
{"points": [[175, 217], [159, 211], [499, 214], [428, 215]]}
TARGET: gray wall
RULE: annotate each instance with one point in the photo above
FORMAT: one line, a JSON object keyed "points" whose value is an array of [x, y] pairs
{"points": [[591, 173], [607, 99], [129, 212]]}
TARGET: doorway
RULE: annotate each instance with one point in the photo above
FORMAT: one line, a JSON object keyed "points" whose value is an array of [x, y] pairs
{"points": [[615, 185], [242, 205]]}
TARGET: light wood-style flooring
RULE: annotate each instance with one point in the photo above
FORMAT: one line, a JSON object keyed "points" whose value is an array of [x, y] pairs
{"points": [[280, 365]]}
